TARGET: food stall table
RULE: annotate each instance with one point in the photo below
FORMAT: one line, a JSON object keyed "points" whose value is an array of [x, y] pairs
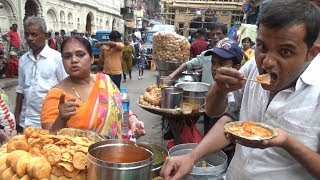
{"points": [[176, 119]]}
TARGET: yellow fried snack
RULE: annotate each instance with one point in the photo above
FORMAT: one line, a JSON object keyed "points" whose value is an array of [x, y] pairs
{"points": [[57, 171], [53, 177], [41, 169], [2, 168], [81, 176], [79, 160], [72, 174], [15, 177], [18, 144], [64, 178], [3, 158], [22, 163], [68, 166], [30, 166], [14, 156], [26, 177], [7, 174]]}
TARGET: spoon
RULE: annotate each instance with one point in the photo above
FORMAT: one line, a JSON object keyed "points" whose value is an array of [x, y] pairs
{"points": [[263, 79]]}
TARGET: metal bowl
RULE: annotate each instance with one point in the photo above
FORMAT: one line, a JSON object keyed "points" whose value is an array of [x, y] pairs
{"points": [[119, 159], [218, 160]]}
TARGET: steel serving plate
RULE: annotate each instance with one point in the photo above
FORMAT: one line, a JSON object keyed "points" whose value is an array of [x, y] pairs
{"points": [[255, 139]]}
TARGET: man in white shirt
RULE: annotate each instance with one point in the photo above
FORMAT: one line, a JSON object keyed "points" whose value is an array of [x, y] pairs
{"points": [[286, 49], [39, 70]]}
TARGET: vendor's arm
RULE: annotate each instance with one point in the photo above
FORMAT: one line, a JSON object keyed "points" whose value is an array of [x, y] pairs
{"points": [[178, 166], [226, 80], [194, 62], [136, 125]]}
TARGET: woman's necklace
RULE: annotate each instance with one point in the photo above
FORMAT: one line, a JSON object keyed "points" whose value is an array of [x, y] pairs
{"points": [[76, 93]]}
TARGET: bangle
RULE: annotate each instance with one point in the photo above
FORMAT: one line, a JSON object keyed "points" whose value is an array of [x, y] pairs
{"points": [[133, 115]]}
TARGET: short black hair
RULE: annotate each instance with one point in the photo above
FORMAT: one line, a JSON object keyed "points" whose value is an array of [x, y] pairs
{"points": [[218, 25], [201, 31], [56, 33], [82, 40], [114, 35], [246, 39], [288, 13]]}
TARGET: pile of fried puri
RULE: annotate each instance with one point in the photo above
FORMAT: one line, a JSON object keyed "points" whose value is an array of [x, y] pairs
{"points": [[152, 96], [38, 155]]}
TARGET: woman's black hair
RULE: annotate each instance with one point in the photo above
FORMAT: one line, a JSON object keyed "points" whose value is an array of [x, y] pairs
{"points": [[246, 39], [114, 35], [82, 40], [289, 13]]}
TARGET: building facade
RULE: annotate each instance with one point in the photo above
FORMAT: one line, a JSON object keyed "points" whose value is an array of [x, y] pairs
{"points": [[80, 15]]}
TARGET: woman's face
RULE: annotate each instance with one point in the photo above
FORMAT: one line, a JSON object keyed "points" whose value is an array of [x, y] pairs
{"points": [[76, 59], [246, 45]]}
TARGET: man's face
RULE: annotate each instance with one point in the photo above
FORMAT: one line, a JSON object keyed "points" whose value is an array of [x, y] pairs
{"points": [[35, 36], [216, 35], [14, 27], [218, 62], [282, 53], [2, 47]]}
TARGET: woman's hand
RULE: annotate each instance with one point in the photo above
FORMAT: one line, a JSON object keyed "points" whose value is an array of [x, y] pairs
{"points": [[137, 126], [4, 137], [67, 109]]}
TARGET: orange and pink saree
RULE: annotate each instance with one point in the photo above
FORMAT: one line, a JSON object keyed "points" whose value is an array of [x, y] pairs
{"points": [[101, 113]]}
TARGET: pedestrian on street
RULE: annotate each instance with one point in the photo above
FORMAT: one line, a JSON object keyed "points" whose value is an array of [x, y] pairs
{"points": [[127, 56], [111, 55], [39, 70], [15, 41], [200, 44], [142, 61]]}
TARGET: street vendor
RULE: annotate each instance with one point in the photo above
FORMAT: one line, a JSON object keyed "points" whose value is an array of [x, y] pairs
{"points": [[286, 49], [84, 100], [218, 31]]}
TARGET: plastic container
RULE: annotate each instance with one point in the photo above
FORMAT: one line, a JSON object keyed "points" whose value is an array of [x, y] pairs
{"points": [[125, 100]]}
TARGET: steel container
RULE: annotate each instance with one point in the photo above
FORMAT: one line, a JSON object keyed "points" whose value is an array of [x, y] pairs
{"points": [[163, 80], [119, 159], [159, 155], [167, 67], [194, 91], [218, 160], [171, 97]]}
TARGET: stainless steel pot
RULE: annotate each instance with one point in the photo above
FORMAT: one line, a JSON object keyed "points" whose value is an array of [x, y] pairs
{"points": [[218, 160], [189, 76], [167, 67], [163, 80], [159, 155], [194, 91], [119, 159], [171, 97]]}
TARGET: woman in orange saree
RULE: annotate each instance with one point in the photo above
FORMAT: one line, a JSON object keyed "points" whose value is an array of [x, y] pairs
{"points": [[85, 101]]}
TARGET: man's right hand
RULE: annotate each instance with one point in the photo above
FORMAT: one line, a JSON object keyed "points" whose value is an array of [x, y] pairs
{"points": [[176, 167], [229, 79], [67, 109]]}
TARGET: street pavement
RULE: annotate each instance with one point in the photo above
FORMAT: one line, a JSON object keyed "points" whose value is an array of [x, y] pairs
{"points": [[135, 88]]}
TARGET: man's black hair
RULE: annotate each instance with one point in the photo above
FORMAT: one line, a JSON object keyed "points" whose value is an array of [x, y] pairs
{"points": [[114, 35], [289, 13], [201, 31], [218, 25]]}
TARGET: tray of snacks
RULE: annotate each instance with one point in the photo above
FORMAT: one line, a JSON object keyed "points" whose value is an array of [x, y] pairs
{"points": [[249, 131], [36, 154], [91, 135]]}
